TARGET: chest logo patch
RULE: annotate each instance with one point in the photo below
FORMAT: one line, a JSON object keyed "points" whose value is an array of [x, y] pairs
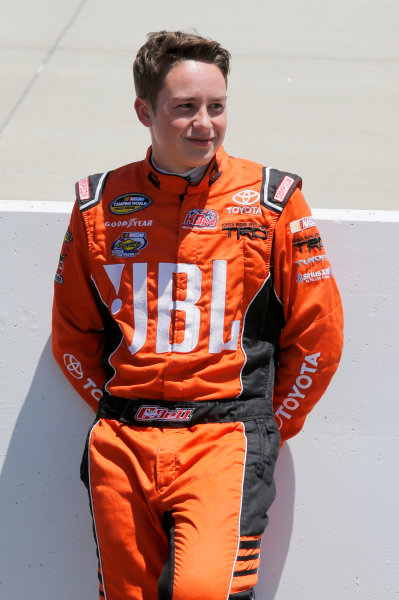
{"points": [[246, 197], [200, 217], [129, 203], [251, 232], [129, 244]]}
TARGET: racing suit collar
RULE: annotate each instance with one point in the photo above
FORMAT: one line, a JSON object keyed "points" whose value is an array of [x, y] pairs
{"points": [[178, 184]]}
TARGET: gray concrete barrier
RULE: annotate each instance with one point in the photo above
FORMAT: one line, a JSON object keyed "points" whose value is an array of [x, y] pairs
{"points": [[335, 524]]}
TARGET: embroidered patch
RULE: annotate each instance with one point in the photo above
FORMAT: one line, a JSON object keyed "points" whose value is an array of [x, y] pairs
{"points": [[200, 217], [84, 189], [246, 197], [129, 203], [129, 244], [311, 276], [302, 224], [157, 413], [283, 189]]}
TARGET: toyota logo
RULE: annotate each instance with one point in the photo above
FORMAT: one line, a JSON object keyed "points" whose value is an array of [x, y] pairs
{"points": [[73, 365], [246, 197]]}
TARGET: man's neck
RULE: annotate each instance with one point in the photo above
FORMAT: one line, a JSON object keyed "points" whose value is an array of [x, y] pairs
{"points": [[193, 175]]}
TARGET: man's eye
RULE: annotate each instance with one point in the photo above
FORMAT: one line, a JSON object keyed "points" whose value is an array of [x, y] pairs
{"points": [[185, 105]]}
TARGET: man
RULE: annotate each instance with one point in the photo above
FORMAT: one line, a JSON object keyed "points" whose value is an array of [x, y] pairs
{"points": [[196, 311]]}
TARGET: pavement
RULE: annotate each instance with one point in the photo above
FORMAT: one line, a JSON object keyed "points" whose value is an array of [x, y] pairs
{"points": [[313, 90]]}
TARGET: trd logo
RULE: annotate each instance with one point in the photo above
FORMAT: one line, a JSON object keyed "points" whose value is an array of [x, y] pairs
{"points": [[314, 242], [253, 233]]}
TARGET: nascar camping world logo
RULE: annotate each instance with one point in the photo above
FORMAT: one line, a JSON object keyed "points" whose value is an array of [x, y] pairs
{"points": [[129, 203]]}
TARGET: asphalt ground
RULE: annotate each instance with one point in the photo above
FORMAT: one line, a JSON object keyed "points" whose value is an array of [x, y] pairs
{"points": [[313, 90]]}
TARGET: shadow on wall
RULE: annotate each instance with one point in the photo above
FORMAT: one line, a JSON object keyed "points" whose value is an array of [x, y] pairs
{"points": [[276, 540], [45, 521]]}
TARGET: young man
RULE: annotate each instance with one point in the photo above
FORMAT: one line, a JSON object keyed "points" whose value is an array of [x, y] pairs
{"points": [[195, 310]]}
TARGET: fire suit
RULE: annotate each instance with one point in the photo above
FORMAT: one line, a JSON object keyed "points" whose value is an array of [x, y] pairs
{"points": [[202, 323]]}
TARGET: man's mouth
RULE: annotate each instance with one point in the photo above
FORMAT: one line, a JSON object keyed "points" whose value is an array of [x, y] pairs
{"points": [[200, 141]]}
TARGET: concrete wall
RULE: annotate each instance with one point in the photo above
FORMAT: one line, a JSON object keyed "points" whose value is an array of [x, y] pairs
{"points": [[335, 524]]}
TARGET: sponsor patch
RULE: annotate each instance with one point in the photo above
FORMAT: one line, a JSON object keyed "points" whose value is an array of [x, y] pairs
{"points": [[299, 389], [252, 232], [60, 269], [311, 259], [68, 237], [244, 210], [157, 413], [73, 366], [312, 276], [283, 189], [246, 197], [302, 224], [129, 244], [84, 189], [309, 242], [239, 224], [200, 217], [129, 203], [129, 223]]}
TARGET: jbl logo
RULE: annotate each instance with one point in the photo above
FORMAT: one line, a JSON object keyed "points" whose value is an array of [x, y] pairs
{"points": [[167, 306]]}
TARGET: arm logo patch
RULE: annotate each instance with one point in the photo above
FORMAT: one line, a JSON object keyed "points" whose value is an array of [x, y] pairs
{"points": [[283, 189], [84, 190], [302, 224]]}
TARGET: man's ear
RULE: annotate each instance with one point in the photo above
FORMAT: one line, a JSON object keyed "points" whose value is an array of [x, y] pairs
{"points": [[143, 111]]}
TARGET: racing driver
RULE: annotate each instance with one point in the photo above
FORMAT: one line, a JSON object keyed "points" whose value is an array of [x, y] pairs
{"points": [[196, 311]]}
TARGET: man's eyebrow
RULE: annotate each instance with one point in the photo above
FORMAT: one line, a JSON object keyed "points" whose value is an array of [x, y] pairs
{"points": [[191, 98]]}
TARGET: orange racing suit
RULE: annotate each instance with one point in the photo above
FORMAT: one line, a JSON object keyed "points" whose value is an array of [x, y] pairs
{"points": [[197, 321]]}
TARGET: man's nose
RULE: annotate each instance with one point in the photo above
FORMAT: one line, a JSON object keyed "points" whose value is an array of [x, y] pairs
{"points": [[201, 119]]}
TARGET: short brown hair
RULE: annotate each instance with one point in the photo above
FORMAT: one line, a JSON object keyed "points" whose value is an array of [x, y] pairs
{"points": [[164, 49]]}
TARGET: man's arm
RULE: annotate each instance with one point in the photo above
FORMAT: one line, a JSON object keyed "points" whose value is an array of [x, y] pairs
{"points": [[78, 337], [312, 338]]}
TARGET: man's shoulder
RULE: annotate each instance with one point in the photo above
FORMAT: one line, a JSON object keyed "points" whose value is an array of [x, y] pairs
{"points": [[89, 190], [277, 186], [238, 162]]}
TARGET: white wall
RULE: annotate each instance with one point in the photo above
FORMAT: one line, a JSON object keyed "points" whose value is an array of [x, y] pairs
{"points": [[335, 524]]}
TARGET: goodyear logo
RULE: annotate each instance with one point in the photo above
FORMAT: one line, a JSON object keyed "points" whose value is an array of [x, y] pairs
{"points": [[129, 203]]}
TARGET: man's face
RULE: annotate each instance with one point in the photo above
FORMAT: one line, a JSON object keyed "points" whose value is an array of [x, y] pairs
{"points": [[189, 121]]}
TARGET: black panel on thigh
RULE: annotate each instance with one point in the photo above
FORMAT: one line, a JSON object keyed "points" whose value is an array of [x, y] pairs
{"points": [[84, 465], [263, 442]]}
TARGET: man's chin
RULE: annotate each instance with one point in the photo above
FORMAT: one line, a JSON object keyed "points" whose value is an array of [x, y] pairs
{"points": [[201, 156]]}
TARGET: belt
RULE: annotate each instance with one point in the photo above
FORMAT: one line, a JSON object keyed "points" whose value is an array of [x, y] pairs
{"points": [[170, 413]]}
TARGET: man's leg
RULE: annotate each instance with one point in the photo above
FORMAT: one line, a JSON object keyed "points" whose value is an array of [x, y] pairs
{"points": [[131, 541], [216, 509], [179, 513]]}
